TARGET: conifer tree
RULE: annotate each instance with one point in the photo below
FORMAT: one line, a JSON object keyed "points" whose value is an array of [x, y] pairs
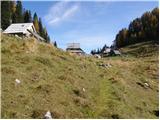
{"points": [[27, 16], [45, 33], [41, 30], [19, 12], [55, 44], [35, 22], [48, 39], [13, 6], [13, 10], [30, 16], [145, 28], [5, 14], [13, 17], [46, 36]]}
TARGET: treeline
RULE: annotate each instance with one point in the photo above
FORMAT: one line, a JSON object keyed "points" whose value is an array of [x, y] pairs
{"points": [[145, 28], [13, 12], [96, 51], [100, 50]]}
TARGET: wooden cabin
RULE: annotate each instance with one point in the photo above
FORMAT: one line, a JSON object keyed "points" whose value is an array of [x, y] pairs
{"points": [[74, 48], [106, 52], [23, 30]]}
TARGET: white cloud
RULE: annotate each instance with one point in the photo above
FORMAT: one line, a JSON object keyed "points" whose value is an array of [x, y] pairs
{"points": [[60, 11]]}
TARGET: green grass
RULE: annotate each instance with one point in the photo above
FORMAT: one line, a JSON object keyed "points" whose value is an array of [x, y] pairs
{"points": [[143, 49], [53, 80]]}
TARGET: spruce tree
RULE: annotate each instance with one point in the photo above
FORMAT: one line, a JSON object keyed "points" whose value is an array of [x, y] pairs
{"points": [[30, 16], [55, 44], [26, 16], [5, 14], [13, 17], [48, 39], [41, 31], [19, 12]]}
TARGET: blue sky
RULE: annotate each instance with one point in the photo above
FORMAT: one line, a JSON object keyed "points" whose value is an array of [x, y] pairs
{"points": [[92, 24]]}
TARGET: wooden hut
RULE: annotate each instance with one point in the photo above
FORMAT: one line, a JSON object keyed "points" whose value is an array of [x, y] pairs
{"points": [[23, 30], [74, 48]]}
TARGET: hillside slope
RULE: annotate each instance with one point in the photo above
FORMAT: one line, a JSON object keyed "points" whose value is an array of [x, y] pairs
{"points": [[75, 87], [143, 49]]}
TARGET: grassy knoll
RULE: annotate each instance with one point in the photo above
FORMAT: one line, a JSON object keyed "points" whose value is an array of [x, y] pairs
{"points": [[54, 80]]}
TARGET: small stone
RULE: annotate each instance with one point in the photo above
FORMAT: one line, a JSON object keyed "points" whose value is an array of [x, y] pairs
{"points": [[17, 81], [48, 115], [146, 84], [84, 90]]}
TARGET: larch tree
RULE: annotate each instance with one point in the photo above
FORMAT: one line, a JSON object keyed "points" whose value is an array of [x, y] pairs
{"points": [[35, 22], [13, 10], [145, 28]]}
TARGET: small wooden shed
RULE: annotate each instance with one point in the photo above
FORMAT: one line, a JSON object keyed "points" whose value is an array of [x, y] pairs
{"points": [[23, 30], [75, 49]]}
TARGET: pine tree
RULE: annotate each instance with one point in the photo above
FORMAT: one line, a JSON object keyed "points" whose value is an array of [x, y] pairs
{"points": [[92, 52], [55, 44], [103, 48], [26, 16], [35, 22], [98, 51], [46, 36], [13, 17], [41, 30], [19, 12], [30, 16], [45, 33], [5, 14], [48, 39]]}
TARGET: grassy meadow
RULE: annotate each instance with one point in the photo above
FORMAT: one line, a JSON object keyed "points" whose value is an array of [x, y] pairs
{"points": [[54, 80]]}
